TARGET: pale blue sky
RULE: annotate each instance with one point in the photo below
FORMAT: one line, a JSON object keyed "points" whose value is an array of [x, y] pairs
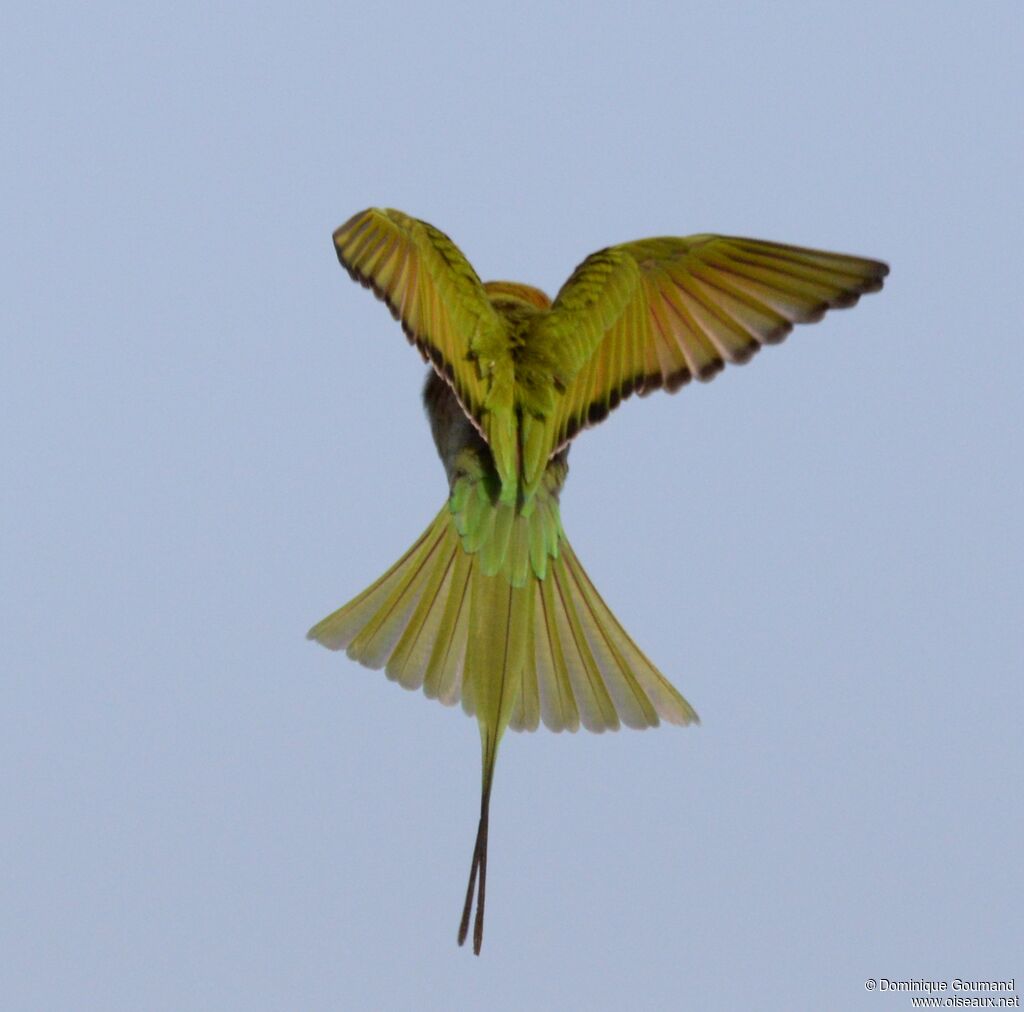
{"points": [[212, 438]]}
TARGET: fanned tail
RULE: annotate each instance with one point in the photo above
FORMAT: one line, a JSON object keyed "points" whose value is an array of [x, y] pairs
{"points": [[579, 666], [492, 608]]}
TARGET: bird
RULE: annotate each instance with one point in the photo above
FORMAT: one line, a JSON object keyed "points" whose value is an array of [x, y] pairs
{"points": [[490, 606]]}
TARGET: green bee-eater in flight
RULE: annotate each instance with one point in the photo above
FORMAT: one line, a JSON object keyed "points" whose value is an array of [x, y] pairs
{"points": [[490, 606]]}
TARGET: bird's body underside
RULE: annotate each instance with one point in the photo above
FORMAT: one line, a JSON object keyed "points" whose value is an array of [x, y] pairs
{"points": [[490, 606]]}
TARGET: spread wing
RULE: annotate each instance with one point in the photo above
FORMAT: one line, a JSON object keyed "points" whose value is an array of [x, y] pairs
{"points": [[658, 312], [435, 294]]}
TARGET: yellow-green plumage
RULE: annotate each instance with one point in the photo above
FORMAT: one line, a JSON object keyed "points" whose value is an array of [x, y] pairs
{"points": [[490, 606]]}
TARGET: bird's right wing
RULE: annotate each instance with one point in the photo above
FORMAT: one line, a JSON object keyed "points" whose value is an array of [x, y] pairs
{"points": [[435, 294], [655, 313]]}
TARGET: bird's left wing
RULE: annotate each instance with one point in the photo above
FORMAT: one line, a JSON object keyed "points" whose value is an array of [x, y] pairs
{"points": [[657, 312], [433, 291]]}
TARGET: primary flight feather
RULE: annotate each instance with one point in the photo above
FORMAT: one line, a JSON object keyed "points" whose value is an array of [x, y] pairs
{"points": [[490, 606]]}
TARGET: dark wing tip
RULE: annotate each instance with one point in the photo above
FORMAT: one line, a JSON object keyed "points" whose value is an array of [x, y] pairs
{"points": [[706, 373], [741, 356], [814, 313], [367, 282], [844, 300], [337, 234], [673, 381], [778, 333]]}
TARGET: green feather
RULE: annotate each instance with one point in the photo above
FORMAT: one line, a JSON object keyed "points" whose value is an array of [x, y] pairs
{"points": [[490, 606]]}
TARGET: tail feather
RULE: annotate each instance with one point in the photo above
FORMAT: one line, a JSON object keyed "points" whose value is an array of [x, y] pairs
{"points": [[443, 679], [374, 645], [557, 702], [597, 712], [340, 627], [477, 887], [637, 679], [579, 666], [408, 664], [628, 699]]}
